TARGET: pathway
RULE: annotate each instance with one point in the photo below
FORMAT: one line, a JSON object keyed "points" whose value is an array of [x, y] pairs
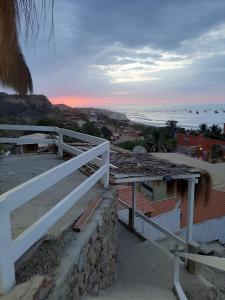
{"points": [[145, 271]]}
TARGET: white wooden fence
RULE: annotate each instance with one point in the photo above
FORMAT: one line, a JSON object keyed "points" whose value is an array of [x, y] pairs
{"points": [[12, 250], [204, 232]]}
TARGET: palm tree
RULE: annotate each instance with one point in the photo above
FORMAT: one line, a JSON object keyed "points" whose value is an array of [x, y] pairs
{"points": [[203, 128], [215, 132], [14, 72], [156, 142], [171, 124]]}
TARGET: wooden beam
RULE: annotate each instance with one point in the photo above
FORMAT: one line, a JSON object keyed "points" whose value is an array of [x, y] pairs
{"points": [[86, 215]]}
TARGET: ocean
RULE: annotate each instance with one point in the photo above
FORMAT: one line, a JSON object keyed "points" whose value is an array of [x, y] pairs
{"points": [[188, 116]]}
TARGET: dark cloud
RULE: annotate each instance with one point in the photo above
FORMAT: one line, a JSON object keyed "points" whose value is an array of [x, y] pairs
{"points": [[98, 43]]}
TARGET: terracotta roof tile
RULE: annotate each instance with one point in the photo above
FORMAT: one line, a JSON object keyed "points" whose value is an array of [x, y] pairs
{"points": [[143, 204], [214, 208]]}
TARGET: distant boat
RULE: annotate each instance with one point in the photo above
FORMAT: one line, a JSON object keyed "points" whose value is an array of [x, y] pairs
{"points": [[190, 111], [197, 112], [216, 111]]}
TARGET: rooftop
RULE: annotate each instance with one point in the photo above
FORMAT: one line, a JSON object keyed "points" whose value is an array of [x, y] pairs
{"points": [[146, 165], [216, 171], [212, 209], [17, 169], [143, 205]]}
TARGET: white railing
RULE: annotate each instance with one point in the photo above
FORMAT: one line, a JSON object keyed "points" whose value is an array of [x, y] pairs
{"points": [[12, 250], [151, 222], [215, 262]]}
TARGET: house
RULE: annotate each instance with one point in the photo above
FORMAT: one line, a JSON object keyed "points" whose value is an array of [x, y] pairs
{"points": [[198, 143], [93, 117]]}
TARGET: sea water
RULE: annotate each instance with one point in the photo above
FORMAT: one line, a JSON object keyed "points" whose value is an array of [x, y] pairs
{"points": [[187, 116]]}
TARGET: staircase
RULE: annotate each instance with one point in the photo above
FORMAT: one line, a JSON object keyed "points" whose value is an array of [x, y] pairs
{"points": [[145, 271]]}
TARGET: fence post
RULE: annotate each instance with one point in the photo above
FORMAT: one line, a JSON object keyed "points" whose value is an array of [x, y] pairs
{"points": [[60, 145], [190, 210], [7, 270], [176, 270], [133, 205], [105, 161]]}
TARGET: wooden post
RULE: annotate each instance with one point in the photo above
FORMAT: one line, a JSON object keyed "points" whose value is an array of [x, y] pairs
{"points": [[60, 145], [133, 205], [7, 270]]}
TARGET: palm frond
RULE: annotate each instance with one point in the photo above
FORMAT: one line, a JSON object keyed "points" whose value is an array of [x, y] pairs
{"points": [[14, 72]]}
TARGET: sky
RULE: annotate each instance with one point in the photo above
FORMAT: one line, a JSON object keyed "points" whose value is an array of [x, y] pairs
{"points": [[131, 52]]}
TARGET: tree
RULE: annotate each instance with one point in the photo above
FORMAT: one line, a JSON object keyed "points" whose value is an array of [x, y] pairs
{"points": [[156, 143], [217, 153], [47, 122], [215, 132], [91, 129], [160, 141], [14, 72], [107, 134], [171, 125], [203, 128]]}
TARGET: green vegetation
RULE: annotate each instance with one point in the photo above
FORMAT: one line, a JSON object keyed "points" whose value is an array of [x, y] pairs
{"points": [[214, 132], [47, 122], [106, 133], [129, 145], [161, 141], [217, 153]]}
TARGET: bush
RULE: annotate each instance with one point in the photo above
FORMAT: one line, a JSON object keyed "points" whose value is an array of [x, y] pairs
{"points": [[129, 145]]}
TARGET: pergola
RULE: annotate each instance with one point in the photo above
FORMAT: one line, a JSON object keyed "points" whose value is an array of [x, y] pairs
{"points": [[133, 167]]}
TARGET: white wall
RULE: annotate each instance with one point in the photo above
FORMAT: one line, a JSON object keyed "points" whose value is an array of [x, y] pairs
{"points": [[205, 232], [170, 220], [208, 231]]}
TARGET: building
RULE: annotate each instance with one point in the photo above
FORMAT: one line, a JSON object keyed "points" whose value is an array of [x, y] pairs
{"points": [[190, 144]]}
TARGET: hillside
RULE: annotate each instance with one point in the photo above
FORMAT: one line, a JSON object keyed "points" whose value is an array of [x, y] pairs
{"points": [[31, 108], [26, 109]]}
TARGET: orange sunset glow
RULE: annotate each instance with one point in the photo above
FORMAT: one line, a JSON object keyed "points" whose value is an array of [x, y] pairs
{"points": [[81, 101]]}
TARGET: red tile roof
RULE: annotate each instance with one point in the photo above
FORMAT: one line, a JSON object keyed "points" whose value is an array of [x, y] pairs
{"points": [[163, 206], [143, 204], [214, 208]]}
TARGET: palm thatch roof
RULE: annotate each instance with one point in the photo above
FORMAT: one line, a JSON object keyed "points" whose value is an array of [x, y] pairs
{"points": [[14, 72], [132, 167], [145, 164]]}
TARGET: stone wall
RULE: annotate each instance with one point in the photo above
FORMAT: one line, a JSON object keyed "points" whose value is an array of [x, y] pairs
{"points": [[92, 261], [74, 264]]}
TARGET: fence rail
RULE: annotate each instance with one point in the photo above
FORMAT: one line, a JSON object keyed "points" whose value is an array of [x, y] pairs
{"points": [[12, 250], [214, 262]]}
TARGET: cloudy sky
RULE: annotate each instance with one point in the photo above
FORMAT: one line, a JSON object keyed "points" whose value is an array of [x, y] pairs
{"points": [[132, 52]]}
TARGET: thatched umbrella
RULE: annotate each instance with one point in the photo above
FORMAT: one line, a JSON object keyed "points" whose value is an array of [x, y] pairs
{"points": [[14, 72]]}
